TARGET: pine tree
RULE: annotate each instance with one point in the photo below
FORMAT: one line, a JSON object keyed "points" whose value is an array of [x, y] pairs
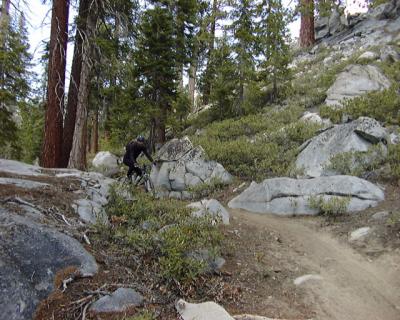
{"points": [[243, 27], [52, 146], [273, 48], [14, 78], [156, 60], [77, 158], [224, 80], [72, 102], [307, 36]]}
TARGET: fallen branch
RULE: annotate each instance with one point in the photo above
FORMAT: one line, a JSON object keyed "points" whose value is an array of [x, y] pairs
{"points": [[66, 282]]}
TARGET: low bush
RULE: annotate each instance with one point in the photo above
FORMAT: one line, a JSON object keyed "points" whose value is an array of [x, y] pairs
{"points": [[356, 163], [333, 206], [257, 147], [164, 232], [383, 106]]}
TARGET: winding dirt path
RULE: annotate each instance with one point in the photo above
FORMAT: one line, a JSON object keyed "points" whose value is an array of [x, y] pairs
{"points": [[352, 287]]}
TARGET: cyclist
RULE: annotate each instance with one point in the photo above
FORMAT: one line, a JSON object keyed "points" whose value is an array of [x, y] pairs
{"points": [[133, 150]]}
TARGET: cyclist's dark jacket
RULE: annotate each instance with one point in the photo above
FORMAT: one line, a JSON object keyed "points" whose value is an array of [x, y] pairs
{"points": [[133, 150]]}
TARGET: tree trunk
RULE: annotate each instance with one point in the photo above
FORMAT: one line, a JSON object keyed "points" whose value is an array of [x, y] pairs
{"points": [[192, 82], [69, 123], [52, 145], [157, 131], [95, 132], [208, 73], [307, 37], [4, 21], [77, 158]]}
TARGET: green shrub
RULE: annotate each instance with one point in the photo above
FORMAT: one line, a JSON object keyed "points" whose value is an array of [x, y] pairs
{"points": [[383, 106], [257, 146], [394, 160], [204, 190], [333, 206], [356, 163], [144, 315], [168, 249]]}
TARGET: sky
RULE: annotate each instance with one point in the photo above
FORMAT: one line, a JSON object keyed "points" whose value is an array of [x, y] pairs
{"points": [[38, 17]]}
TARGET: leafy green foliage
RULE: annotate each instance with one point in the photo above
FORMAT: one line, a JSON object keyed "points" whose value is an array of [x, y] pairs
{"points": [[330, 206], [165, 232], [257, 146]]}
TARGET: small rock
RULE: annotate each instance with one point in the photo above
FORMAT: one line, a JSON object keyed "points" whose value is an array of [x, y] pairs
{"points": [[300, 280], [380, 215], [211, 207], [213, 264], [201, 311], [368, 55], [359, 233], [118, 301]]}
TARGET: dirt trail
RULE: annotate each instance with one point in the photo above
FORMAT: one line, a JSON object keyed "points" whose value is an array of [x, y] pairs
{"points": [[352, 287]]}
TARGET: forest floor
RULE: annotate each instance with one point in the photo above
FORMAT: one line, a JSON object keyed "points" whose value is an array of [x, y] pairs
{"points": [[264, 254]]}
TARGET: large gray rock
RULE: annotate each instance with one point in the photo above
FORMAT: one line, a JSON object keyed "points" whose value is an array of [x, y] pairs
{"points": [[30, 256], [358, 135], [23, 183], [89, 211], [119, 301], [19, 168], [106, 163], [286, 197], [174, 149], [183, 167], [355, 81]]}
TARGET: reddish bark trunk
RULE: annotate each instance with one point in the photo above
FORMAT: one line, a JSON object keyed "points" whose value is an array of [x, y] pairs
{"points": [[52, 145], [70, 117], [307, 37]]}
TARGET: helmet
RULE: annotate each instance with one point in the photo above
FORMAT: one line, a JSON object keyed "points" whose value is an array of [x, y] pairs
{"points": [[140, 138]]}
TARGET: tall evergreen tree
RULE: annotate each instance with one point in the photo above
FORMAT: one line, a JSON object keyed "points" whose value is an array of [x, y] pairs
{"points": [[77, 158], [273, 39], [72, 102], [243, 27], [156, 60], [52, 146], [14, 77], [307, 36]]}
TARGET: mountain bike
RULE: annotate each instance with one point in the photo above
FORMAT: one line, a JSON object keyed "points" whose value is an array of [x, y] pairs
{"points": [[143, 180]]}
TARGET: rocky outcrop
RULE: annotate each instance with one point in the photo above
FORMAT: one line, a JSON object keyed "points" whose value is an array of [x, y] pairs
{"points": [[355, 81], [30, 255], [286, 197], [106, 163], [39, 231], [358, 135], [182, 167]]}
